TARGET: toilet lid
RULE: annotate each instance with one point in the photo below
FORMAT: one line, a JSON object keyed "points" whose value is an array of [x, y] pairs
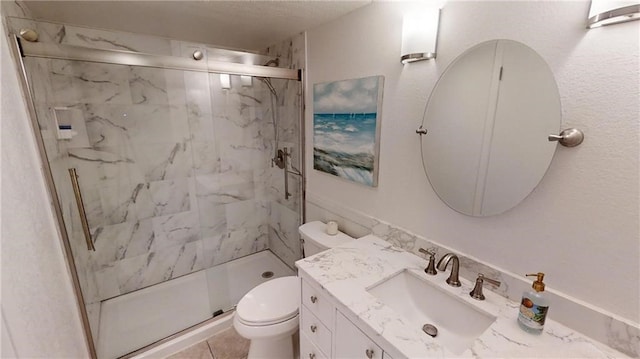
{"points": [[270, 302]]}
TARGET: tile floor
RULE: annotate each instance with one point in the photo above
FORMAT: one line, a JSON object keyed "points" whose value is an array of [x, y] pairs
{"points": [[227, 344]]}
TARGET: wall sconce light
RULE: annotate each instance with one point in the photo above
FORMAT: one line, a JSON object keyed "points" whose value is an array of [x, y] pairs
{"points": [[420, 32], [225, 81], [609, 12]]}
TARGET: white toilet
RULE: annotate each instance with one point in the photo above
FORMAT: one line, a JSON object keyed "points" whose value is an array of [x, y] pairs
{"points": [[268, 314]]}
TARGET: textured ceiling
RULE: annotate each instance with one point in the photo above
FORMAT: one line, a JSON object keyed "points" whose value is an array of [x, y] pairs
{"points": [[250, 25]]}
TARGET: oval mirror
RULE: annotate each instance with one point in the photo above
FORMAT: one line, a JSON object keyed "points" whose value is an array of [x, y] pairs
{"points": [[488, 120]]}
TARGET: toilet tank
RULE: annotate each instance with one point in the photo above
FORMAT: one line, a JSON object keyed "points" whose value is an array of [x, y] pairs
{"points": [[317, 240]]}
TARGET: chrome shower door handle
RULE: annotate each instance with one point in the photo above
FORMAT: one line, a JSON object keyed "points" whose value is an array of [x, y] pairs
{"points": [[83, 214]]}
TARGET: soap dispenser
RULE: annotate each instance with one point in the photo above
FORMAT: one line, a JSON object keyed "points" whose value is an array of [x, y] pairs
{"points": [[534, 306]]}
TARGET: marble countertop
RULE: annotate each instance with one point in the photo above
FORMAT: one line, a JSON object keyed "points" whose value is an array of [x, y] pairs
{"points": [[346, 272]]}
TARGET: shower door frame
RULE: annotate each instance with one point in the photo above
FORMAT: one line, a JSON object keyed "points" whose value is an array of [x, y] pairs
{"points": [[21, 49]]}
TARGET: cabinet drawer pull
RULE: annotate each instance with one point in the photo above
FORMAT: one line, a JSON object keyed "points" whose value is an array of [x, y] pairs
{"points": [[312, 356], [313, 329], [369, 353], [314, 299]]}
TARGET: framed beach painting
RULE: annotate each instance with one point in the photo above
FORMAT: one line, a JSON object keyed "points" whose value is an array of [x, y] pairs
{"points": [[346, 128]]}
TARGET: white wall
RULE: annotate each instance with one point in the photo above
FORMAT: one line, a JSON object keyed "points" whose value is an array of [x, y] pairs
{"points": [[39, 313], [581, 224]]}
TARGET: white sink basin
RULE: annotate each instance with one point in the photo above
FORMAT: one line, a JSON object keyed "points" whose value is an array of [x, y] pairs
{"points": [[420, 302]]}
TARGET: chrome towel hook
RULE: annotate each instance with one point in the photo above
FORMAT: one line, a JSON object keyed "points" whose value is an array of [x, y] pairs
{"points": [[571, 137]]}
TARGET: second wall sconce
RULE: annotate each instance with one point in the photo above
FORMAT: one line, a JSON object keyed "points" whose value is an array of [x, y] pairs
{"points": [[420, 32], [609, 12]]}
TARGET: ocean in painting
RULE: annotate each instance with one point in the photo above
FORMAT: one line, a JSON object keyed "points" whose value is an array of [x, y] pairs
{"points": [[344, 145]]}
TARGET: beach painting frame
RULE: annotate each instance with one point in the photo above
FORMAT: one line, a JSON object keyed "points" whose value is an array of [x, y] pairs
{"points": [[346, 128]]}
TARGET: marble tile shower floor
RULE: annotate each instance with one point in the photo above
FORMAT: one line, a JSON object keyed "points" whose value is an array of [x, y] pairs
{"points": [[227, 344]]}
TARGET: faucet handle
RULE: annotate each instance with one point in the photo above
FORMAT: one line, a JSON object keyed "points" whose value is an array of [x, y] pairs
{"points": [[476, 293], [427, 252], [491, 281], [431, 268]]}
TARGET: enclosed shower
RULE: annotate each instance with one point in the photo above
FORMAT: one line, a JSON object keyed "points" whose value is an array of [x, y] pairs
{"points": [[175, 170]]}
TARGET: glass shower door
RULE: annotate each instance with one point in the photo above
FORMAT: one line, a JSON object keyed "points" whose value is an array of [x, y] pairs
{"points": [[177, 179], [130, 134]]}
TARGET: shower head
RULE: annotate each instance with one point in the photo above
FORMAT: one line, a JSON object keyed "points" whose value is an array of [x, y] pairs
{"points": [[276, 63]]}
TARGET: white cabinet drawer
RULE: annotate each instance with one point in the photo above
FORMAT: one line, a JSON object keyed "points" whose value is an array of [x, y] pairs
{"points": [[318, 303], [308, 350], [352, 343], [313, 328]]}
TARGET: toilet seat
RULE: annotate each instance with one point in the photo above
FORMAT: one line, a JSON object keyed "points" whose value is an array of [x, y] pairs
{"points": [[270, 303]]}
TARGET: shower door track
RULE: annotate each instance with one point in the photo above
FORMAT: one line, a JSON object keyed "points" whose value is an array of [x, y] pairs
{"points": [[118, 57]]}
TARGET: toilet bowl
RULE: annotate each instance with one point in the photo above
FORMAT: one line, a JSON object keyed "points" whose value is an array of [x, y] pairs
{"points": [[268, 314]]}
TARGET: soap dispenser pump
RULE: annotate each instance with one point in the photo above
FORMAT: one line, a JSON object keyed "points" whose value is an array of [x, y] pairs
{"points": [[534, 306]]}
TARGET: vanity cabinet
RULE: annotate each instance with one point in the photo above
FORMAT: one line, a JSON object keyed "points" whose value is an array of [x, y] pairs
{"points": [[343, 312], [326, 333]]}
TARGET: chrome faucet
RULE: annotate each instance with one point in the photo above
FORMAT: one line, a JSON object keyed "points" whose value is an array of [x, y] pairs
{"points": [[442, 266]]}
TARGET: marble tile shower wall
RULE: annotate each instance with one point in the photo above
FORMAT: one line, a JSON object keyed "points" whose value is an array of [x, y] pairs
{"points": [[285, 215], [175, 171]]}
